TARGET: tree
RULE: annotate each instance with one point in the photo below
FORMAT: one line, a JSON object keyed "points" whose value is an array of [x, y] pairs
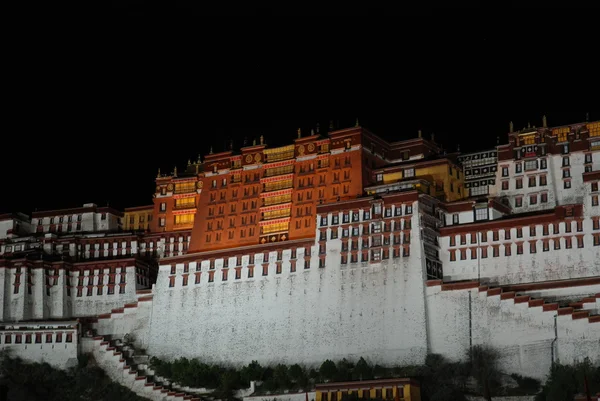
{"points": [[296, 373], [483, 367], [565, 381], [280, 375], [252, 372], [327, 370], [362, 370]]}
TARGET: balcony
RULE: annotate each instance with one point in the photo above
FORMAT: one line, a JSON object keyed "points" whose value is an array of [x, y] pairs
{"points": [[183, 226], [185, 206]]}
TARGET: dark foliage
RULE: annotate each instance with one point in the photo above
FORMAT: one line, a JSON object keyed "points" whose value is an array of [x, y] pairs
{"points": [[566, 381], [42, 382]]}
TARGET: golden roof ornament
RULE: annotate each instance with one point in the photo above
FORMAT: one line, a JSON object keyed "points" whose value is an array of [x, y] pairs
{"points": [[312, 131], [158, 175], [544, 122], [211, 151], [511, 127], [189, 162], [299, 133], [458, 147], [318, 127], [528, 124], [254, 142], [331, 125], [175, 171], [356, 125], [262, 140], [420, 134]]}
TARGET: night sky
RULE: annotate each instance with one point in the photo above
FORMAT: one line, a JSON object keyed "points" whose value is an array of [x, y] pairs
{"points": [[93, 123]]}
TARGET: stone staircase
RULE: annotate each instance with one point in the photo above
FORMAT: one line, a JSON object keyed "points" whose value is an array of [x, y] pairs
{"points": [[123, 366], [585, 308]]}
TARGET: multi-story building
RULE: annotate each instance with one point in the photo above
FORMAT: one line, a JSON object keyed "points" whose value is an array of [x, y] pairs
{"points": [[541, 168], [14, 224], [176, 199], [86, 219], [479, 169], [341, 245], [138, 218]]}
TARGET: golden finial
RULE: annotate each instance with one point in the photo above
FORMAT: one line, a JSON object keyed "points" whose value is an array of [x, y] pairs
{"points": [[312, 131], [299, 133], [262, 140], [331, 125], [356, 125], [318, 127], [158, 175], [458, 147], [196, 169], [544, 122], [528, 124], [420, 134], [511, 127], [175, 171], [254, 142], [211, 152], [189, 162]]}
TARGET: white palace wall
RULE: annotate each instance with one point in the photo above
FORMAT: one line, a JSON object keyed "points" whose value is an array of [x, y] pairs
{"points": [[374, 310], [523, 333]]}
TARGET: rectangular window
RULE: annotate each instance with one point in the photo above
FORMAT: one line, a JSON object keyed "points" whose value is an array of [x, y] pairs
{"points": [[518, 202], [532, 248], [531, 165], [518, 168], [507, 250], [505, 185], [543, 180], [484, 252], [455, 218], [532, 181], [580, 242], [594, 200], [532, 231], [533, 199], [568, 243], [481, 214], [519, 183], [507, 233], [504, 171], [496, 251]]}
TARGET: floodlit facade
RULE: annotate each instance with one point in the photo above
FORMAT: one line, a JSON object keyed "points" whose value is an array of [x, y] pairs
{"points": [[337, 245]]}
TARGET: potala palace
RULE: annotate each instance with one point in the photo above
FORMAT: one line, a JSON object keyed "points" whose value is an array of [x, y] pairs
{"points": [[338, 245]]}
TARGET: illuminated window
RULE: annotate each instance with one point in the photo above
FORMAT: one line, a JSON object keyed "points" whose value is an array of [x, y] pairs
{"points": [[183, 203], [561, 134], [283, 153], [182, 187], [278, 185], [594, 129], [184, 218], [274, 228], [529, 140]]}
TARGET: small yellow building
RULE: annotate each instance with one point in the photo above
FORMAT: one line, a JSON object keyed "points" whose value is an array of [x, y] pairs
{"points": [[401, 389], [138, 218], [440, 178]]}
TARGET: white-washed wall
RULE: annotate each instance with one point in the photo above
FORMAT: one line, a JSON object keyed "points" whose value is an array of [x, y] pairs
{"points": [[529, 267], [306, 317]]}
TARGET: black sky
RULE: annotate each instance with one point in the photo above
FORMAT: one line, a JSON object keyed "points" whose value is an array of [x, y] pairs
{"points": [[92, 121]]}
